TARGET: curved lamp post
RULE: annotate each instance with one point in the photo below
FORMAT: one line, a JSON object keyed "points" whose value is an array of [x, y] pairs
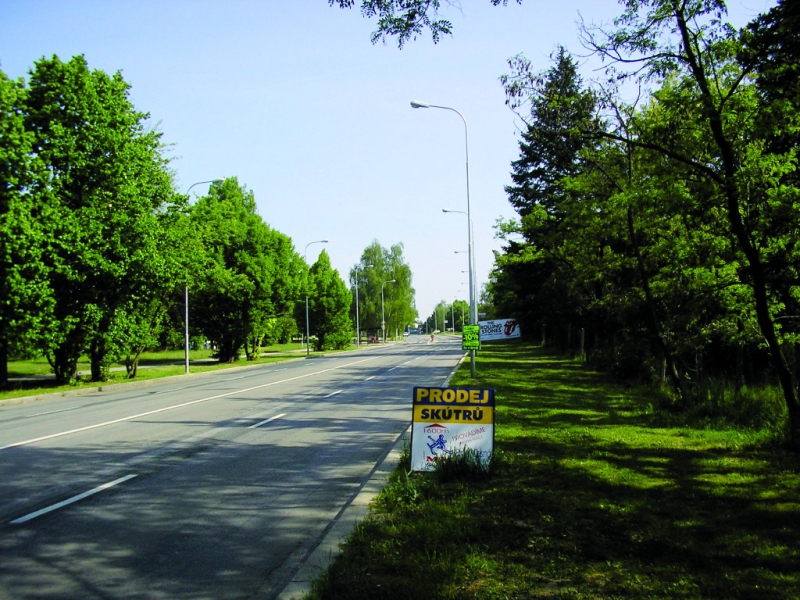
{"points": [[305, 260], [473, 280], [186, 298], [358, 325], [383, 316], [473, 309]]}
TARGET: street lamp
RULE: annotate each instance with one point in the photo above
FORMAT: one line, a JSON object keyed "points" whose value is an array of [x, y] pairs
{"points": [[473, 279], [186, 298], [472, 306], [358, 325], [305, 260], [383, 315]]}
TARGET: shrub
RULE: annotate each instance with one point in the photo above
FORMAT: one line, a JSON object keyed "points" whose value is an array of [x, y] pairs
{"points": [[338, 340]]}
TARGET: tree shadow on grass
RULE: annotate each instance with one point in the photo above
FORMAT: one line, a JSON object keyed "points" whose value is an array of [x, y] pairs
{"points": [[591, 496]]}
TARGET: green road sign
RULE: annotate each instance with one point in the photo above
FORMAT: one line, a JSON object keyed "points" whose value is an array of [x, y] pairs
{"points": [[471, 337]]}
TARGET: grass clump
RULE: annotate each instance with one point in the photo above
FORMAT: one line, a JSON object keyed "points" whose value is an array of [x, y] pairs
{"points": [[599, 494], [465, 464]]}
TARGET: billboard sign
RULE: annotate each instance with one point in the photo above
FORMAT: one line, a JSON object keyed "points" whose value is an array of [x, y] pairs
{"points": [[471, 337], [499, 329], [448, 420]]}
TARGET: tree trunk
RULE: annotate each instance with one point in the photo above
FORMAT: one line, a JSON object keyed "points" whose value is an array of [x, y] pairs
{"points": [[3, 363], [672, 370], [132, 364], [752, 255], [97, 357], [64, 362], [228, 350], [739, 376]]}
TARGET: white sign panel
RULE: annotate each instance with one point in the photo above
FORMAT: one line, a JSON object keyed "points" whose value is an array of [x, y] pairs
{"points": [[499, 329], [448, 420]]}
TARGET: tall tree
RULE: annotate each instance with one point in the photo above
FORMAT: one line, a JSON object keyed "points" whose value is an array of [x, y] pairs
{"points": [[562, 111], [687, 40], [249, 271], [26, 300], [328, 304], [378, 265], [533, 282], [107, 182]]}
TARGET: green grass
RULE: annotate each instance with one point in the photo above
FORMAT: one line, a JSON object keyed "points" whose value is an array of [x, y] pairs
{"points": [[40, 366], [593, 493]]}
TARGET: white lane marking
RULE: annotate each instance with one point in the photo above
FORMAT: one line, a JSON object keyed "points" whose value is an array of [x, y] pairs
{"points": [[260, 414], [265, 421], [370, 377], [283, 369], [181, 405], [407, 362], [234, 378], [392, 369], [68, 501], [333, 393], [50, 412]]}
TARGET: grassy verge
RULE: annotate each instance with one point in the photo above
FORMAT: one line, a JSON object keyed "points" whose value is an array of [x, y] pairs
{"points": [[591, 496], [40, 366], [152, 365]]}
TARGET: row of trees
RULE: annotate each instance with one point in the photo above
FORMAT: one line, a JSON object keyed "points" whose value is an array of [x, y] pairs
{"points": [[97, 246], [457, 310], [665, 226]]}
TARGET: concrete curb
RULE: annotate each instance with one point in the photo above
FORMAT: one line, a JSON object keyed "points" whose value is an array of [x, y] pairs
{"points": [[342, 526], [345, 522]]}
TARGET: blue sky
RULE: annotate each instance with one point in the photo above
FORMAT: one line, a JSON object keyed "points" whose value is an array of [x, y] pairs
{"points": [[292, 98]]}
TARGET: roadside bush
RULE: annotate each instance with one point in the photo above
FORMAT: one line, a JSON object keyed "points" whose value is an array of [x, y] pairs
{"points": [[338, 340]]}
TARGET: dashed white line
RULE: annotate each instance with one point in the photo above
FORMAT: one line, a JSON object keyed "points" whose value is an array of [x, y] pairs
{"points": [[51, 412], [370, 377], [265, 421], [392, 369], [181, 405], [333, 393], [68, 501]]}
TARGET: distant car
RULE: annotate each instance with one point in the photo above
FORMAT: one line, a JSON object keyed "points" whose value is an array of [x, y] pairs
{"points": [[405, 334]]}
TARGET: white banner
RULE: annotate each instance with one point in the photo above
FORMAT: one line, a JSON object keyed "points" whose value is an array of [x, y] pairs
{"points": [[499, 329], [450, 420]]}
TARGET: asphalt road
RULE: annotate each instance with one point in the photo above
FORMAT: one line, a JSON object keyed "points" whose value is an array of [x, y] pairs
{"points": [[218, 485]]}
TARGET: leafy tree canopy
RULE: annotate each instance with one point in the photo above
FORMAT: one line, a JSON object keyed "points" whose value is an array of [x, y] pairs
{"points": [[379, 265], [107, 182], [249, 271], [406, 19]]}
